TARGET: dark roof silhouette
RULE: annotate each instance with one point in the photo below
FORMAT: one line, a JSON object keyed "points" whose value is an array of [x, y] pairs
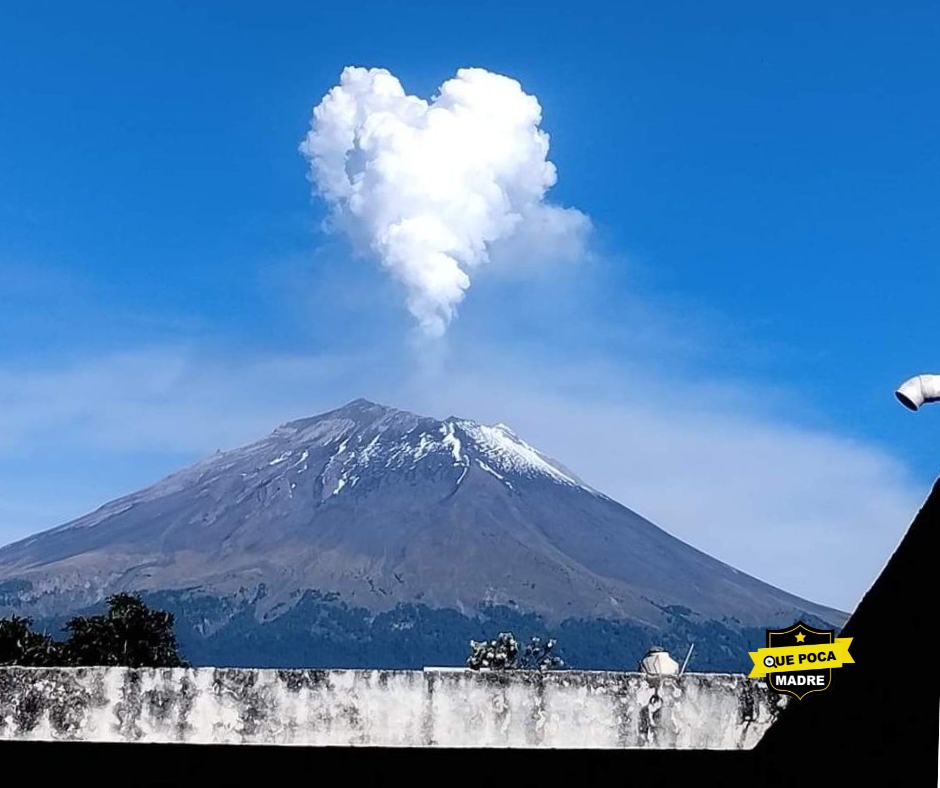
{"points": [[882, 712]]}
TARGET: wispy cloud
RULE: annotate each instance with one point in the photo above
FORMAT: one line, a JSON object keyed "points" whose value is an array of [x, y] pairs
{"points": [[161, 399]]}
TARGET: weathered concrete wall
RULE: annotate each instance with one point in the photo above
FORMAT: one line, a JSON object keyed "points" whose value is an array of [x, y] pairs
{"points": [[446, 708]]}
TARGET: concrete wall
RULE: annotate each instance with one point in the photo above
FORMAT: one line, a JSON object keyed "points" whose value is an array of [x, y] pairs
{"points": [[445, 708]]}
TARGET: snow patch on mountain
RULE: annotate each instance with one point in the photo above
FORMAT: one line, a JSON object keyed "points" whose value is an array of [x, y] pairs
{"points": [[509, 453], [489, 470], [451, 441]]}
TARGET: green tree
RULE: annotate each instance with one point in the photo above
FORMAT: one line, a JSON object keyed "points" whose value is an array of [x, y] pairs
{"points": [[19, 645], [129, 634]]}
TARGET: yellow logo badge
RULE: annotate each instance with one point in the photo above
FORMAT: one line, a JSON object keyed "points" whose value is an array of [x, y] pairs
{"points": [[800, 660]]}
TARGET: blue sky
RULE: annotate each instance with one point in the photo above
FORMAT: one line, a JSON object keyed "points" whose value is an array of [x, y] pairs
{"points": [[762, 184]]}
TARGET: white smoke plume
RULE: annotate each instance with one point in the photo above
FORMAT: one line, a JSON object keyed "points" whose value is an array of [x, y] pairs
{"points": [[433, 188]]}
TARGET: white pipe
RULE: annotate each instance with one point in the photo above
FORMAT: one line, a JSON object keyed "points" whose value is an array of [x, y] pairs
{"points": [[920, 389]]}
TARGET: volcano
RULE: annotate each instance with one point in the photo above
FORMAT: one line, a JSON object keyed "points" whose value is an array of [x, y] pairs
{"points": [[371, 536]]}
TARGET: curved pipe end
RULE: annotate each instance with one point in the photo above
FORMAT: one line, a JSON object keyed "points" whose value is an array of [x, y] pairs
{"points": [[906, 401], [914, 392]]}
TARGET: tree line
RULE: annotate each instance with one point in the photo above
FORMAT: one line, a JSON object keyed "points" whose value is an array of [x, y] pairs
{"points": [[128, 634], [131, 634]]}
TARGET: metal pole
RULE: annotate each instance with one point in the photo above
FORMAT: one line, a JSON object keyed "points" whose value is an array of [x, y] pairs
{"points": [[686, 661]]}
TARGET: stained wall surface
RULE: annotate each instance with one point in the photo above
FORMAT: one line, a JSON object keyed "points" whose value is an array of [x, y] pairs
{"points": [[430, 708]]}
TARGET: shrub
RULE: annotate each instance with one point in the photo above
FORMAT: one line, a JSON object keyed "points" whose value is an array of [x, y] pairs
{"points": [[503, 654]]}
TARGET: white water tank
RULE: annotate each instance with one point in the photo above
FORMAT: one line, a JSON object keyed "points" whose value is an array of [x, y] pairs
{"points": [[658, 661]]}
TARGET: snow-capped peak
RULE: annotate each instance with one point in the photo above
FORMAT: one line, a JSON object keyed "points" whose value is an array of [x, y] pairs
{"points": [[363, 444]]}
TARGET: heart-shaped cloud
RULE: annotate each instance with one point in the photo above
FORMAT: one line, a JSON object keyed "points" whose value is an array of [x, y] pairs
{"points": [[432, 188]]}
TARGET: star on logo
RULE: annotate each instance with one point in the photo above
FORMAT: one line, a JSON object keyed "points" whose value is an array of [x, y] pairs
{"points": [[800, 637]]}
